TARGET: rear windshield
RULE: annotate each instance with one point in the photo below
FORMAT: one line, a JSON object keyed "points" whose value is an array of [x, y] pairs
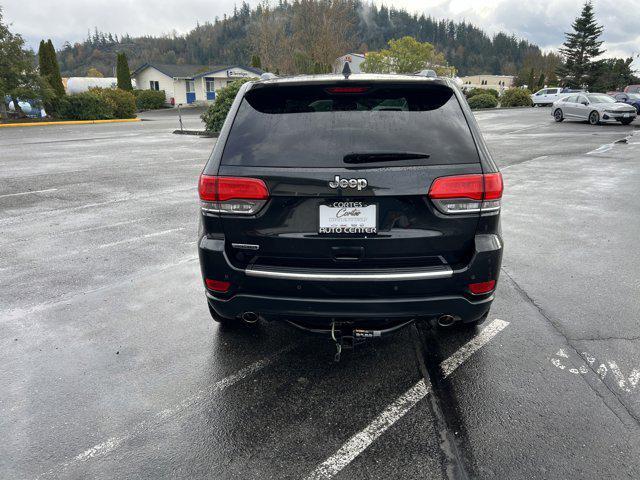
{"points": [[335, 126]]}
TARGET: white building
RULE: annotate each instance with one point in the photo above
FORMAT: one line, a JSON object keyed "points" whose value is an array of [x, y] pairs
{"points": [[354, 60], [496, 82], [189, 83]]}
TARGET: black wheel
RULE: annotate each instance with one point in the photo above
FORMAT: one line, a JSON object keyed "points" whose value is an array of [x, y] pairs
{"points": [[626, 121], [557, 115], [221, 320], [594, 118]]}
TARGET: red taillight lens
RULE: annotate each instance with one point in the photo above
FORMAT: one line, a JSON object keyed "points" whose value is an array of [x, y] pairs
{"points": [[231, 188], [217, 285], [460, 194], [482, 287], [493, 186], [460, 186], [237, 195], [207, 188]]}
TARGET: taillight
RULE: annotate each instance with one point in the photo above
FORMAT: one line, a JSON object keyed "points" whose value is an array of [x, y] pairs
{"points": [[217, 285], [482, 287], [467, 193], [235, 195]]}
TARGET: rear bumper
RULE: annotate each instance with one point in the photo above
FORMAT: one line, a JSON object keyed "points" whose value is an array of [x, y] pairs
{"points": [[320, 311], [381, 299]]}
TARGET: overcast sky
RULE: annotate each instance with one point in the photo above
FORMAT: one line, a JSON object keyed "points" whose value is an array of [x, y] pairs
{"points": [[542, 22]]}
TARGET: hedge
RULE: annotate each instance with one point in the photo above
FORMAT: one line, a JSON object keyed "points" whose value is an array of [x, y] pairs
{"points": [[98, 104], [85, 106], [150, 99], [122, 102], [516, 97], [480, 91], [215, 115], [484, 100]]}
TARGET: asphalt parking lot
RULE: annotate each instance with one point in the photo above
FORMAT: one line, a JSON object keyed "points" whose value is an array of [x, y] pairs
{"points": [[111, 367]]}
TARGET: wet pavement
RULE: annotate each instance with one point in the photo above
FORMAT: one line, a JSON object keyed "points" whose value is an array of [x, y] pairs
{"points": [[111, 367]]}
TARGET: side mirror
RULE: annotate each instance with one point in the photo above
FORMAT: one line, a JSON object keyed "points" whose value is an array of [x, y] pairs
{"points": [[584, 103]]}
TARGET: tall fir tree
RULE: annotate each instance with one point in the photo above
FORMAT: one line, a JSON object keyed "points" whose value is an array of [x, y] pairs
{"points": [[122, 72], [580, 48], [54, 77], [43, 59], [255, 61]]}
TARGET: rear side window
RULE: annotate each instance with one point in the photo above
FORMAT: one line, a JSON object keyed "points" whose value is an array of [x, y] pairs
{"points": [[331, 125]]}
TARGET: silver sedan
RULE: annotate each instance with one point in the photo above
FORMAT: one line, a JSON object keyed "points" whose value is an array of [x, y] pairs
{"points": [[593, 107]]}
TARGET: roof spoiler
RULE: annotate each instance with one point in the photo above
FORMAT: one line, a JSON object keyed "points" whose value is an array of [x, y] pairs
{"points": [[427, 73]]}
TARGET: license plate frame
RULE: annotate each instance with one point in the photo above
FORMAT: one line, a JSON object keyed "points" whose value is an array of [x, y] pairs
{"points": [[348, 218]]}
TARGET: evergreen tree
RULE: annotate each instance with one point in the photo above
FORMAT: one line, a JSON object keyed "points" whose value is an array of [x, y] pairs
{"points": [[531, 79], [43, 62], [122, 72], [53, 75], [255, 61], [579, 49]]}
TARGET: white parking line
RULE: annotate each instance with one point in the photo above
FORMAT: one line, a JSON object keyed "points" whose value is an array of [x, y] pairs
{"points": [[135, 239], [113, 443], [395, 411], [28, 193]]}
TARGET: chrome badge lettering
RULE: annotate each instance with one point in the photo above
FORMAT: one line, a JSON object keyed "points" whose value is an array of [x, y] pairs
{"points": [[359, 183]]}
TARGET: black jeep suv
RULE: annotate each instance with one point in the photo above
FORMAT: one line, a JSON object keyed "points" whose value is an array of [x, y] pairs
{"points": [[371, 200]]}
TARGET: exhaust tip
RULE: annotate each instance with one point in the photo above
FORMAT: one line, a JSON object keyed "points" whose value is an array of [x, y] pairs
{"points": [[446, 320], [249, 317]]}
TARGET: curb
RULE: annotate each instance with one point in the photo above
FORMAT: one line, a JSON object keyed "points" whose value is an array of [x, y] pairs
{"points": [[201, 133], [499, 108], [68, 122]]}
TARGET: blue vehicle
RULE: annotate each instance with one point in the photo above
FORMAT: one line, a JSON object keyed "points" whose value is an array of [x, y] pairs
{"points": [[630, 99]]}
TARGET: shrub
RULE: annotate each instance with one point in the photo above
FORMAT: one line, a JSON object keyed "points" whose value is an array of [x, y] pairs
{"points": [[516, 97], [122, 102], [484, 100], [150, 99], [480, 91], [85, 106], [215, 115]]}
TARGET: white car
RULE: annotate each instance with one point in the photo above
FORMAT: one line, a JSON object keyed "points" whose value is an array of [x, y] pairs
{"points": [[594, 107], [547, 96]]}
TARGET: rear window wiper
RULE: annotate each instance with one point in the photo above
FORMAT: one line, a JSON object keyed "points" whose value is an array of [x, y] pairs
{"points": [[371, 157]]}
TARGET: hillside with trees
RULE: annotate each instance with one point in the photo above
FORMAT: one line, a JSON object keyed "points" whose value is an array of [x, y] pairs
{"points": [[304, 36]]}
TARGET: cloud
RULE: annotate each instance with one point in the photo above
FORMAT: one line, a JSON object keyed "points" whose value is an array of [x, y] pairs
{"points": [[70, 20], [542, 22]]}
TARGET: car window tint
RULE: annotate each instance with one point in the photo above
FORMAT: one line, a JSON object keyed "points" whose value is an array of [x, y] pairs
{"points": [[318, 125]]}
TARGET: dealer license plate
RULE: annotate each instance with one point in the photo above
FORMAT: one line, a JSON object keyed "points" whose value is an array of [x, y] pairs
{"points": [[348, 217]]}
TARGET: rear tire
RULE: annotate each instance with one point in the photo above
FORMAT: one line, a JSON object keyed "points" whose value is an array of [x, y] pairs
{"points": [[594, 118], [557, 115]]}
